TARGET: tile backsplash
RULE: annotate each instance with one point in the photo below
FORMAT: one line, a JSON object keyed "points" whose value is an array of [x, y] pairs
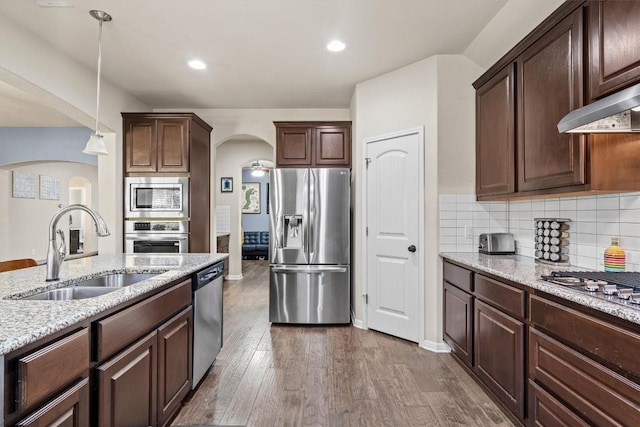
{"points": [[223, 219], [594, 220]]}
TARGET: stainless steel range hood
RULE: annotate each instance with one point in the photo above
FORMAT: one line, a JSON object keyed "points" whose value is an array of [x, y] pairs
{"points": [[617, 113]]}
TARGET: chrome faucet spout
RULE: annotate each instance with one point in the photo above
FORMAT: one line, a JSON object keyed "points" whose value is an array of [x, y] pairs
{"points": [[55, 256]]}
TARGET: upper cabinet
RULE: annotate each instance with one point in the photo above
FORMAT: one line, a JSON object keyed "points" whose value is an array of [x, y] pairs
{"points": [[313, 144], [549, 87], [495, 131], [521, 99], [614, 46], [161, 143]]}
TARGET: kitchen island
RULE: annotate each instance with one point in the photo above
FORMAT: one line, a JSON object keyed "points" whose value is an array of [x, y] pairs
{"points": [[60, 358], [549, 354]]}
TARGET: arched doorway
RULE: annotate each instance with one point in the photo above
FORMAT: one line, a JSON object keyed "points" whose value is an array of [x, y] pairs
{"points": [[229, 159]]}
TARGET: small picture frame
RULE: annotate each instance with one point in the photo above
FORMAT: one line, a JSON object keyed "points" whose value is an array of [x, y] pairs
{"points": [[226, 184]]}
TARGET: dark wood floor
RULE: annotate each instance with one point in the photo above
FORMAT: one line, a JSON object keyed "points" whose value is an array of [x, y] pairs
{"points": [[326, 376]]}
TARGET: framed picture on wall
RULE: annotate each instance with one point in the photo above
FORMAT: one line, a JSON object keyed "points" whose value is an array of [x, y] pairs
{"points": [[226, 184], [250, 198]]}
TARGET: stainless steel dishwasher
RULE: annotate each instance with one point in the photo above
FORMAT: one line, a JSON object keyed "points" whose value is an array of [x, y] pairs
{"points": [[207, 324]]}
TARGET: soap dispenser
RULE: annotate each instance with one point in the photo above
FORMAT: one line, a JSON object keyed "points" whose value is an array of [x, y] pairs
{"points": [[614, 257]]}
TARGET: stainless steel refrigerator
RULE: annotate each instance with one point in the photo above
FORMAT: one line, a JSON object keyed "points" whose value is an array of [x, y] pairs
{"points": [[309, 246]]}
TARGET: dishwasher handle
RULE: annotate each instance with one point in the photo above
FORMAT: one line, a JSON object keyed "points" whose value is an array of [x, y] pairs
{"points": [[208, 275]]}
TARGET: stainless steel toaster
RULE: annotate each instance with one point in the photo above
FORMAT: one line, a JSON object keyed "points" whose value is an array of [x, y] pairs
{"points": [[497, 243]]}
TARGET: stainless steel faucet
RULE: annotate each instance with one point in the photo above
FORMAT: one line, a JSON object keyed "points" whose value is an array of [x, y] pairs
{"points": [[55, 256]]}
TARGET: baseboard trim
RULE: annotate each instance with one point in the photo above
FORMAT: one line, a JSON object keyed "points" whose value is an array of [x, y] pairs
{"points": [[435, 347], [234, 277], [358, 323]]}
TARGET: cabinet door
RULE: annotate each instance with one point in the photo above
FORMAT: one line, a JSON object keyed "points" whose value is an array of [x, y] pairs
{"points": [[614, 46], [458, 322], [174, 363], [293, 146], [127, 389], [173, 145], [550, 86], [495, 135], [332, 146], [70, 409], [499, 355], [141, 148]]}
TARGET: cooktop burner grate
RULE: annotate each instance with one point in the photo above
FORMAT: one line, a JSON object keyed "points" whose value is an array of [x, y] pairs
{"points": [[624, 278]]}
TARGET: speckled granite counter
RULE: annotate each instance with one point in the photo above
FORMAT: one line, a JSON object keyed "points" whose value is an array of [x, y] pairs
{"points": [[525, 270], [24, 321]]}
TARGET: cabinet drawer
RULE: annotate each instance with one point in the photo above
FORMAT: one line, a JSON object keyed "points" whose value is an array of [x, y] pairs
{"points": [[47, 370], [458, 276], [122, 328], [71, 409], [603, 396], [618, 347], [510, 299], [546, 411]]}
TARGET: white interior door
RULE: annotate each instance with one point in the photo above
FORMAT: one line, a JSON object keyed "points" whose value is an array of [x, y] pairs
{"points": [[394, 210]]}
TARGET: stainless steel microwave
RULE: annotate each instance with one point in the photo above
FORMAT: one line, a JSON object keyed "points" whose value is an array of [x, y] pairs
{"points": [[156, 197]]}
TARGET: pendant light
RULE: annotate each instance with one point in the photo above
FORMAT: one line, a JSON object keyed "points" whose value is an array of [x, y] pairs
{"points": [[256, 169], [95, 145]]}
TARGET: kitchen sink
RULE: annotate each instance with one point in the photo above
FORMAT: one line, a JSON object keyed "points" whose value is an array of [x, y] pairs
{"points": [[70, 293], [89, 288], [115, 280]]}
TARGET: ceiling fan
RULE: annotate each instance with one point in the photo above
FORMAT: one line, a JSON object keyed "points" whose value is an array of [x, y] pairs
{"points": [[257, 169]]}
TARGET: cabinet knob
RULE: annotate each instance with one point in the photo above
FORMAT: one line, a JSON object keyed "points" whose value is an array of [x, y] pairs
{"points": [[412, 248]]}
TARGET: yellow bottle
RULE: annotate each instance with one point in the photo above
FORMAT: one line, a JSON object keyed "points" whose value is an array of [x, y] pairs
{"points": [[614, 257]]}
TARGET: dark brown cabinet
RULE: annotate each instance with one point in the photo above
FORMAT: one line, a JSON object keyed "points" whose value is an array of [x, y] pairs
{"points": [[549, 76], [313, 144], [495, 134], [499, 355], [484, 325], [458, 311], [174, 144], [578, 359], [175, 368], [614, 47], [549, 85], [156, 145], [127, 386], [48, 383], [70, 409], [145, 384]]}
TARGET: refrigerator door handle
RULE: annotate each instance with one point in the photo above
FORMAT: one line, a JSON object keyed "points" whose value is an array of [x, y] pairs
{"points": [[311, 224], [307, 270]]}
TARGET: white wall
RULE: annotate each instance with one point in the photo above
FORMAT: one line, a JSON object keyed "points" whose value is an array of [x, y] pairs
{"points": [[26, 228], [31, 65]]}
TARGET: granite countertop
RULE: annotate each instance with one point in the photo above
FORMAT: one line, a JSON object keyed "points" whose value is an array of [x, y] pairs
{"points": [[526, 271], [25, 321], [223, 234]]}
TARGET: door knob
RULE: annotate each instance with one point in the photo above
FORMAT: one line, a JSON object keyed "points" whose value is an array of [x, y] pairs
{"points": [[412, 248]]}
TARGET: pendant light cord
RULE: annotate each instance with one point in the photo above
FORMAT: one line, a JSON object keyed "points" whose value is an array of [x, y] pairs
{"points": [[99, 68]]}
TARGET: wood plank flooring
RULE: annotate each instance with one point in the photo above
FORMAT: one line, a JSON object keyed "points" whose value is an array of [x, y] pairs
{"points": [[326, 376]]}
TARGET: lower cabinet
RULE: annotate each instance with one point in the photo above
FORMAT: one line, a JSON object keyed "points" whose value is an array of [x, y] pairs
{"points": [[458, 322], [70, 409], [548, 361], [499, 355], [127, 390], [144, 384]]}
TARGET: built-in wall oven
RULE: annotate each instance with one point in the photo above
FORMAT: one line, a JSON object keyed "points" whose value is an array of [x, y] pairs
{"points": [[146, 236], [156, 197]]}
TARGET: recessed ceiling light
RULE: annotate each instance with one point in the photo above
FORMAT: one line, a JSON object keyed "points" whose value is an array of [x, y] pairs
{"points": [[196, 64], [336, 46]]}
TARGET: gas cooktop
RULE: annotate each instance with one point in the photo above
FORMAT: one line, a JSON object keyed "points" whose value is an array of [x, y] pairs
{"points": [[619, 287]]}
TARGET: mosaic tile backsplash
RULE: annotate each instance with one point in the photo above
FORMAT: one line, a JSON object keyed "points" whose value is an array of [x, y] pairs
{"points": [[594, 219]]}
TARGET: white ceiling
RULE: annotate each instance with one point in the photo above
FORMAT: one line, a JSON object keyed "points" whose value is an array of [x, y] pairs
{"points": [[260, 53], [17, 109]]}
